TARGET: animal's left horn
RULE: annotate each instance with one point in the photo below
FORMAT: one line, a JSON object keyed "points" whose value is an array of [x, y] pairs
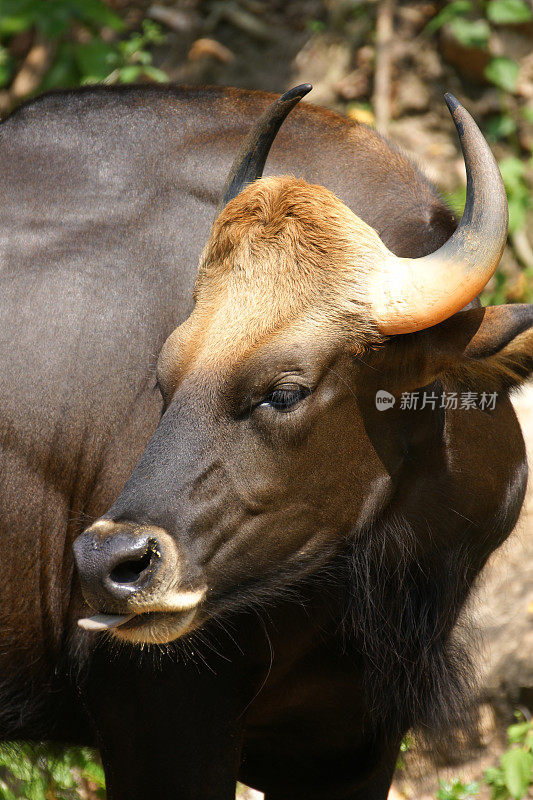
{"points": [[250, 160], [408, 295]]}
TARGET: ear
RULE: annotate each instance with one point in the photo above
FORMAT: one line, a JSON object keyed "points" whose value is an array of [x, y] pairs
{"points": [[482, 347]]}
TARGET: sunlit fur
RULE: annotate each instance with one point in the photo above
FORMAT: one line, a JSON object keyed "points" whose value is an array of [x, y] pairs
{"points": [[282, 251], [296, 246], [288, 253]]}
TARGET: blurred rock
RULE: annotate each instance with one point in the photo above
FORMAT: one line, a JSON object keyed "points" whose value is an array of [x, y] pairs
{"points": [[510, 42], [431, 147], [525, 78], [428, 63], [210, 48], [412, 94], [324, 61], [487, 104], [355, 84], [179, 20], [248, 22], [416, 15], [364, 57], [470, 61], [362, 115]]}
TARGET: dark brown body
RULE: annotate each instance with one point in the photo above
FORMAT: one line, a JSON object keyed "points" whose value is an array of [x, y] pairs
{"points": [[107, 198]]}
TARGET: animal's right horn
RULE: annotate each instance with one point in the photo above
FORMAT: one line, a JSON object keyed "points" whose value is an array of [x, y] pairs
{"points": [[250, 160], [410, 294]]}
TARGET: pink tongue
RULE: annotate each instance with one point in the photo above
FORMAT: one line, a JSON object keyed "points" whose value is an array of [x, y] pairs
{"points": [[104, 622]]}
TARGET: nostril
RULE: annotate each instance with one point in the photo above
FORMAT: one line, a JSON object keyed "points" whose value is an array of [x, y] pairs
{"points": [[130, 571]]}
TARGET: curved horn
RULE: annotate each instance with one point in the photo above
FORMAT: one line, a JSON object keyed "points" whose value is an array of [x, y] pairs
{"points": [[408, 295], [250, 160]]}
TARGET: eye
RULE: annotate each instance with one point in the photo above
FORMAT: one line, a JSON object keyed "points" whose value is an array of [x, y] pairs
{"points": [[284, 398]]}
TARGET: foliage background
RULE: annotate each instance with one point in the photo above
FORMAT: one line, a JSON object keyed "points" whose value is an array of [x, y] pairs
{"points": [[385, 63], [382, 62]]}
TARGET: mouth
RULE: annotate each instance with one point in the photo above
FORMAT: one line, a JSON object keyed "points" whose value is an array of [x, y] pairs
{"points": [[150, 627]]}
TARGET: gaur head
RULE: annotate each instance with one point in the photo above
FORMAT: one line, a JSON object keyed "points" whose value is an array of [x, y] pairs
{"points": [[270, 450]]}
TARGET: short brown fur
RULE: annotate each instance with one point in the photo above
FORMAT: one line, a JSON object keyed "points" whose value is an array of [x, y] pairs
{"points": [[282, 252]]}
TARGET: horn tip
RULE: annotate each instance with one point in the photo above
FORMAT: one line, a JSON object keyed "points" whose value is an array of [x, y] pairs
{"points": [[296, 93], [456, 108], [452, 102]]}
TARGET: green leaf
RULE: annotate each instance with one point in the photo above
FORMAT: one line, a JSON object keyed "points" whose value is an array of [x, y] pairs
{"points": [[517, 214], [516, 734], [457, 790], [502, 72], [61, 774], [444, 792], [54, 18], [17, 16], [471, 33], [155, 74], [513, 172], [456, 9], [456, 201], [497, 297], [36, 789], [6, 67], [500, 126], [153, 32], [129, 74], [516, 766], [499, 793], [493, 775], [88, 756], [22, 769], [315, 25], [13, 24], [64, 71], [508, 12], [143, 57], [131, 46], [5, 792], [96, 13], [95, 60], [95, 773]]}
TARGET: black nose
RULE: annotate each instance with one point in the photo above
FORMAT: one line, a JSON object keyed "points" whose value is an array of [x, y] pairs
{"points": [[115, 564]]}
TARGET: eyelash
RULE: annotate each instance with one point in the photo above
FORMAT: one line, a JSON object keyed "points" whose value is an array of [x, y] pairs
{"points": [[284, 399]]}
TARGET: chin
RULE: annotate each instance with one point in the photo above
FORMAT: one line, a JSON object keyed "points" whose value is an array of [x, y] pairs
{"points": [[156, 627]]}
